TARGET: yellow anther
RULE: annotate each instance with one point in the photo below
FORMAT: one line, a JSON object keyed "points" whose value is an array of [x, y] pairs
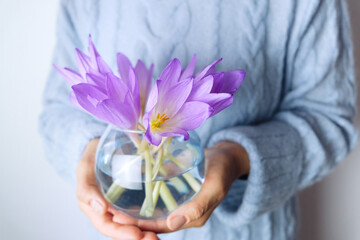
{"points": [[155, 124]]}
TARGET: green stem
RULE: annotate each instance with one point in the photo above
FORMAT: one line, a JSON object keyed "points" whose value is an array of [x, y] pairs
{"points": [[156, 192], [194, 184], [158, 163], [114, 192], [167, 197], [177, 162], [155, 149], [147, 208], [179, 185]]}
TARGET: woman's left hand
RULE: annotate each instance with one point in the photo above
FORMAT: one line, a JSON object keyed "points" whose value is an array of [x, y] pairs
{"points": [[225, 162]]}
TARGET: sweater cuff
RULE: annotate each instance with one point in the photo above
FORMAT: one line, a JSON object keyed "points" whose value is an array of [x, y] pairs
{"points": [[274, 150]]}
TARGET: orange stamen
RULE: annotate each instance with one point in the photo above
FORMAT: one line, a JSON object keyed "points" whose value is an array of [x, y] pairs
{"points": [[160, 119]]}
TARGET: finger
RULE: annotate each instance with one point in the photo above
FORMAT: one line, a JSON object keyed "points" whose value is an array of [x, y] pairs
{"points": [[104, 224], [156, 226], [211, 194], [150, 236], [194, 210], [147, 236], [124, 219], [91, 196], [201, 221], [87, 189]]}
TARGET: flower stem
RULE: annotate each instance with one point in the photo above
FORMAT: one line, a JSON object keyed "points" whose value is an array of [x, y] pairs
{"points": [[165, 194], [156, 192], [142, 128], [114, 192], [194, 184], [167, 197], [155, 149], [152, 168], [158, 163], [177, 162], [179, 185], [147, 208]]}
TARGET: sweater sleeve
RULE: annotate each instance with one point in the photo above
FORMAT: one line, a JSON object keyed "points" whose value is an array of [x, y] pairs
{"points": [[65, 129], [312, 131]]}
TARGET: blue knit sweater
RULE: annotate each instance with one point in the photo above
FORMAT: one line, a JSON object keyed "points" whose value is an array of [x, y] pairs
{"points": [[293, 113]]}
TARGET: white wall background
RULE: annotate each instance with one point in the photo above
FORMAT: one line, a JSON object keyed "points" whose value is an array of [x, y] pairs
{"points": [[37, 204]]}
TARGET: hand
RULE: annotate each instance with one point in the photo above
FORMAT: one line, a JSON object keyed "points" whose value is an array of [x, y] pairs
{"points": [[225, 162], [96, 208]]}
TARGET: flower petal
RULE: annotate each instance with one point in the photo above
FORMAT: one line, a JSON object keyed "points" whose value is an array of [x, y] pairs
{"points": [[98, 80], [116, 88], [207, 70], [135, 89], [69, 75], [218, 82], [118, 113], [174, 131], [220, 105], [232, 81], [153, 96], [74, 101], [84, 63], [201, 87], [123, 67], [189, 70], [146, 118], [92, 50], [95, 57], [171, 73], [218, 101], [88, 96], [152, 137], [189, 117], [102, 65], [171, 100], [144, 77]]}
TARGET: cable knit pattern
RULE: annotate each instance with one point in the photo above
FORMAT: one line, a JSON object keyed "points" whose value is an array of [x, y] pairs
{"points": [[293, 113]]}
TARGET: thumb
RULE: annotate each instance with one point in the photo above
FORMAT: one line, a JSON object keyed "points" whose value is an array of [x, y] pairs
{"points": [[196, 212], [217, 182]]}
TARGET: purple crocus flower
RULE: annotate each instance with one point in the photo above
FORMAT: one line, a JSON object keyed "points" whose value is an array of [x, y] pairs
{"points": [[92, 69], [180, 102], [214, 88], [112, 107], [141, 88], [168, 111], [98, 91]]}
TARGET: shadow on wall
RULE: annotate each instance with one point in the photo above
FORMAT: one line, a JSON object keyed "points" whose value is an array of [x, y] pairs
{"points": [[329, 210]]}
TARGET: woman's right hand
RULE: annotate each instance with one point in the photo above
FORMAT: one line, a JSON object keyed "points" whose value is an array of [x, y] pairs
{"points": [[94, 205]]}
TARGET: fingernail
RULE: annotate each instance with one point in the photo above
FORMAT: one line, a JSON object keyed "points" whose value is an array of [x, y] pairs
{"points": [[177, 222], [97, 206]]}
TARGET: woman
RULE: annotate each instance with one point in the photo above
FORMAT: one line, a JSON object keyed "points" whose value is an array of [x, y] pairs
{"points": [[290, 123]]}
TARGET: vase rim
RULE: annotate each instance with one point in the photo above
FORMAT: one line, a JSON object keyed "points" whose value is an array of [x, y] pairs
{"points": [[127, 130]]}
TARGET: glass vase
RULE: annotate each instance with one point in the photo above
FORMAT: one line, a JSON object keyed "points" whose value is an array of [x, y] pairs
{"points": [[147, 181]]}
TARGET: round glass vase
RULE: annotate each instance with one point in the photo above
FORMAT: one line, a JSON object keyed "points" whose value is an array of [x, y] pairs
{"points": [[147, 181]]}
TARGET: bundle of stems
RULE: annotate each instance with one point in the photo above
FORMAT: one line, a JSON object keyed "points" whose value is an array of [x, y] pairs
{"points": [[155, 188]]}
